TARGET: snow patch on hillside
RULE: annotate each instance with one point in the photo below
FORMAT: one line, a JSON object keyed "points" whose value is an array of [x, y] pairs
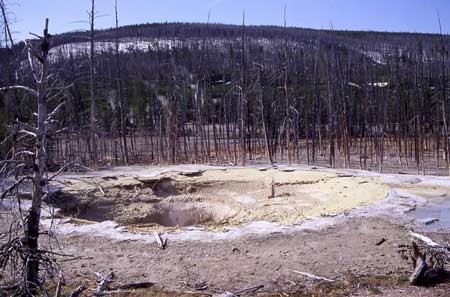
{"points": [[128, 45]]}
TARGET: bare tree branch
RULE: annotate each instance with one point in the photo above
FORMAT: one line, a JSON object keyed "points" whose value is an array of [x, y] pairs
{"points": [[12, 187], [27, 89], [56, 110]]}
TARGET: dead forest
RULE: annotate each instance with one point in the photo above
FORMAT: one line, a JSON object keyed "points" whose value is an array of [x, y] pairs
{"points": [[228, 95], [224, 94]]}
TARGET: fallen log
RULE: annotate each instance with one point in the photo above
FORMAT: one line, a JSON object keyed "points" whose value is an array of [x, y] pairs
{"points": [[199, 293], [192, 173], [248, 290], [312, 276], [77, 292], [425, 239], [113, 293], [103, 288], [420, 265], [103, 284], [135, 286], [422, 249], [237, 293], [59, 286]]}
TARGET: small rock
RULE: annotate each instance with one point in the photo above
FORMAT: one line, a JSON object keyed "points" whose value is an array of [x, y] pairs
{"points": [[381, 241], [191, 189]]}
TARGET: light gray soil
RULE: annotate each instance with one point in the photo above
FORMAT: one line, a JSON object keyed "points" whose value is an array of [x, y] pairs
{"points": [[346, 253], [358, 249]]}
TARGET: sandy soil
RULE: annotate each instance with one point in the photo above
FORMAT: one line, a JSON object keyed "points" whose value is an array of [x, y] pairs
{"points": [[347, 253]]}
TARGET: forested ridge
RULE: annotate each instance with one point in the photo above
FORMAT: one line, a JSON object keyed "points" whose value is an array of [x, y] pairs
{"points": [[227, 94]]}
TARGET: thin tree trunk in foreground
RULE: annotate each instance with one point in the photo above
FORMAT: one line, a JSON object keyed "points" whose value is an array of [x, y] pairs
{"points": [[32, 224]]}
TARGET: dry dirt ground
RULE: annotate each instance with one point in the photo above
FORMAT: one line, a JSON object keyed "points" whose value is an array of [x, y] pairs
{"points": [[347, 253], [358, 252]]}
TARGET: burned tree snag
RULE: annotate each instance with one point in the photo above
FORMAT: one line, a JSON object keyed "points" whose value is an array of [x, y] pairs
{"points": [[93, 112]]}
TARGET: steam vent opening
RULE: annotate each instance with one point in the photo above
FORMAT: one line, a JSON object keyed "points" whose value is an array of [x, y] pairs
{"points": [[215, 198], [184, 217]]}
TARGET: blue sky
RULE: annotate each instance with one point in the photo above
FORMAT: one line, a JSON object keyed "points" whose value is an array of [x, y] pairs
{"points": [[379, 15]]}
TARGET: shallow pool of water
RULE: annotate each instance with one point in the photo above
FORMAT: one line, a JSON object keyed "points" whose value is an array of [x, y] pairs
{"points": [[439, 210]]}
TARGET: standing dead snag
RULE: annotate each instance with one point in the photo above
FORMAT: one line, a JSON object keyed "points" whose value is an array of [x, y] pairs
{"points": [[242, 97], [27, 249], [39, 168], [8, 36], [93, 116], [122, 112]]}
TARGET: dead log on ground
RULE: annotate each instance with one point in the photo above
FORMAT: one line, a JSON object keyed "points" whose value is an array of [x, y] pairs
{"points": [[420, 265], [103, 284], [59, 286], [239, 292], [77, 292], [135, 286], [429, 259], [312, 276]]}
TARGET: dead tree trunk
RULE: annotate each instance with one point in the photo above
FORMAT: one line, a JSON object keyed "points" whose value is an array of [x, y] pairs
{"points": [[93, 121], [123, 129], [263, 120], [287, 119], [242, 96], [29, 254], [31, 281], [8, 35]]}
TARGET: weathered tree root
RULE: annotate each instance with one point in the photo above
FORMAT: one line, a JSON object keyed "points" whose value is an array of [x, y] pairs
{"points": [[429, 259]]}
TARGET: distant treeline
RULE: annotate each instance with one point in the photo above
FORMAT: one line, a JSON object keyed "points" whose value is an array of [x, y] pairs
{"points": [[232, 94]]}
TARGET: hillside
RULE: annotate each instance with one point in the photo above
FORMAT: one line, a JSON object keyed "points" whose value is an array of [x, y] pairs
{"points": [[226, 94], [376, 45]]}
